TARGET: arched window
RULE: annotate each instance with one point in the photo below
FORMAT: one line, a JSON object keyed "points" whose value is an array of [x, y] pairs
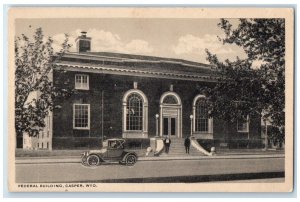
{"points": [[134, 112], [202, 122], [201, 116], [170, 99]]}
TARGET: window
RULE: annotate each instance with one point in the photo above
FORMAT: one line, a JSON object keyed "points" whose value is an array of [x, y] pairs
{"points": [[170, 99], [81, 82], [202, 123], [81, 116], [134, 112], [201, 116], [243, 124], [115, 144]]}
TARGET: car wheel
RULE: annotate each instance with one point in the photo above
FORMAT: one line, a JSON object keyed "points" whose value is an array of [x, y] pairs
{"points": [[130, 160], [93, 160]]}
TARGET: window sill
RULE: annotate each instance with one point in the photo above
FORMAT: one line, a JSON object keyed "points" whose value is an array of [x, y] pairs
{"points": [[74, 128], [133, 131], [205, 136], [201, 133], [134, 134]]}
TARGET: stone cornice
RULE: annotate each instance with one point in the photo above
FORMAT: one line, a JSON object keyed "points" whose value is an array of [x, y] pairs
{"points": [[134, 72]]}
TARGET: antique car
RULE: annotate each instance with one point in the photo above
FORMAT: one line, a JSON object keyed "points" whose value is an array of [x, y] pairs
{"points": [[113, 150]]}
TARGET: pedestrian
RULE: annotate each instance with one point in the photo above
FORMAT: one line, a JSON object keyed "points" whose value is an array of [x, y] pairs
{"points": [[187, 144], [167, 143]]}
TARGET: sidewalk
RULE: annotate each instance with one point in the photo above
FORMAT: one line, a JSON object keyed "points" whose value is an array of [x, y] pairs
{"points": [[228, 155], [140, 153]]}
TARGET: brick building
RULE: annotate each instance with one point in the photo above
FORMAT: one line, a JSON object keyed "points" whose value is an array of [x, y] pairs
{"points": [[138, 97]]}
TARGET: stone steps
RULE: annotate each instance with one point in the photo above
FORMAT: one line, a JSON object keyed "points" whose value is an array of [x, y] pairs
{"points": [[177, 149]]}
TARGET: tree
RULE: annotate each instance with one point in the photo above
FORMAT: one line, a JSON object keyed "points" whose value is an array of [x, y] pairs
{"points": [[236, 93], [34, 90], [241, 89]]}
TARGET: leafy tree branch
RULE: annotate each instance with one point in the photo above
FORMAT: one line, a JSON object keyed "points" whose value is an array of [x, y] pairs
{"points": [[34, 90], [242, 89]]}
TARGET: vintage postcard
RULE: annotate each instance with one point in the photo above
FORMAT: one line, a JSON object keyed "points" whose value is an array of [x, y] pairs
{"points": [[151, 99]]}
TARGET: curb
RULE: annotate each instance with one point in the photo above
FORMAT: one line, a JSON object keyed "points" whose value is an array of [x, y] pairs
{"points": [[69, 159], [210, 157]]}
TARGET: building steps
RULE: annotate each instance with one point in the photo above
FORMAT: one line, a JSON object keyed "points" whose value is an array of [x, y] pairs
{"points": [[177, 149]]}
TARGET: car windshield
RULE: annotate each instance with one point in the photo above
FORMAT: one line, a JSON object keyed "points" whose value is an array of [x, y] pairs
{"points": [[116, 144]]}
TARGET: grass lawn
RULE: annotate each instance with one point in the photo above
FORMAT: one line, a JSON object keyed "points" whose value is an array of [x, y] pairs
{"points": [[60, 153]]}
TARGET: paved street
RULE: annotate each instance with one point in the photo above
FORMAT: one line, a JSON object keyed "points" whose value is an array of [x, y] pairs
{"points": [[268, 180], [172, 169]]}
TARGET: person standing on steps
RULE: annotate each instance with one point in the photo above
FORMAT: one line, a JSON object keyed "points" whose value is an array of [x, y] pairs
{"points": [[187, 144], [167, 143]]}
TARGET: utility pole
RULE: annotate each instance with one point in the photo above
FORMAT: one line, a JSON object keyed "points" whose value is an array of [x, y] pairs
{"points": [[266, 135], [248, 129]]}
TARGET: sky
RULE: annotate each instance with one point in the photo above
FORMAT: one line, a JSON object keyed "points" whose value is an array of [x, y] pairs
{"points": [[172, 38]]}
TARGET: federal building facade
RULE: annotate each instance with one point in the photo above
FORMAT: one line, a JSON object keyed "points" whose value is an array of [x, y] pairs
{"points": [[137, 98]]}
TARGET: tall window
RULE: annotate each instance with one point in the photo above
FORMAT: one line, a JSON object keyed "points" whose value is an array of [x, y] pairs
{"points": [[243, 124], [201, 116], [134, 112], [81, 116], [81, 81]]}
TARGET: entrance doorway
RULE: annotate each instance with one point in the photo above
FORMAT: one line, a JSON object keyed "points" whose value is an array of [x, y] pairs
{"points": [[170, 113], [169, 127]]}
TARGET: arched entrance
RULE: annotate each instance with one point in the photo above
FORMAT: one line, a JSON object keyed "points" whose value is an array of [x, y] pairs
{"points": [[170, 115]]}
